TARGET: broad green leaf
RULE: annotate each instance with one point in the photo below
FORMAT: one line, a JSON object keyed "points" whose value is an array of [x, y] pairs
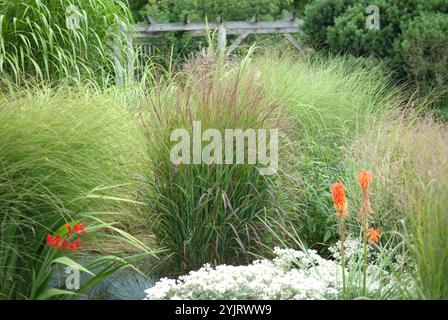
{"points": [[52, 292], [69, 262]]}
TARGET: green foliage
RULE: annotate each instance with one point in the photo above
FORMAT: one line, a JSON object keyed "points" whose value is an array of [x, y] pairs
{"points": [[136, 6], [331, 101], [427, 238], [319, 17], [199, 10], [36, 42], [440, 6], [207, 213], [300, 5], [424, 47], [349, 33], [64, 156], [341, 24], [407, 30]]}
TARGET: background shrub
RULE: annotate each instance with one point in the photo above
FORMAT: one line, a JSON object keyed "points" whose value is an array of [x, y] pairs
{"points": [[424, 47], [349, 33], [175, 10], [407, 30], [319, 17]]}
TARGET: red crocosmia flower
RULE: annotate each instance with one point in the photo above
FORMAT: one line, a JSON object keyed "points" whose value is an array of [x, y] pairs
{"points": [[53, 241], [65, 245], [69, 228], [50, 240], [57, 241], [73, 246], [80, 228]]}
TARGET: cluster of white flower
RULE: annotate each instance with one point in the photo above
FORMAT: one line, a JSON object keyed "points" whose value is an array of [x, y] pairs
{"points": [[263, 279], [352, 246], [291, 274]]}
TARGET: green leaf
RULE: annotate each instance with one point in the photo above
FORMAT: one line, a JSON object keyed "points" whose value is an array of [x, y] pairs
{"points": [[69, 262], [52, 292], [328, 235]]}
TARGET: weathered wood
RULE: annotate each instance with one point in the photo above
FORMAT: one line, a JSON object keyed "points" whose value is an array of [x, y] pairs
{"points": [[291, 16], [222, 38], [296, 44], [149, 20], [289, 24], [232, 27], [254, 18], [220, 19], [237, 42], [186, 19]]}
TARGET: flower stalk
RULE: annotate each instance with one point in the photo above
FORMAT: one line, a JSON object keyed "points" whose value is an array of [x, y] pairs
{"points": [[340, 204], [364, 179], [370, 235]]}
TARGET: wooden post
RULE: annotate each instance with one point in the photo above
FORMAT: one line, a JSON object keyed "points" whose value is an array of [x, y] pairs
{"points": [[115, 52], [222, 39], [222, 34], [296, 44], [237, 42], [130, 57]]}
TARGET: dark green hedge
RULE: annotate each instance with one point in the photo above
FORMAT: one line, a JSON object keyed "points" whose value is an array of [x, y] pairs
{"points": [[412, 39], [424, 48]]}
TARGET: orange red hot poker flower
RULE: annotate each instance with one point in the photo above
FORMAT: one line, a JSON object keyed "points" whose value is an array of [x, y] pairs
{"points": [[364, 178], [373, 235], [339, 200]]}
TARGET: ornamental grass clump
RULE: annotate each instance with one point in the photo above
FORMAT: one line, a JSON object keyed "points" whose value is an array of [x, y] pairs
{"points": [[56, 41], [208, 212], [65, 156], [331, 101], [427, 238]]}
